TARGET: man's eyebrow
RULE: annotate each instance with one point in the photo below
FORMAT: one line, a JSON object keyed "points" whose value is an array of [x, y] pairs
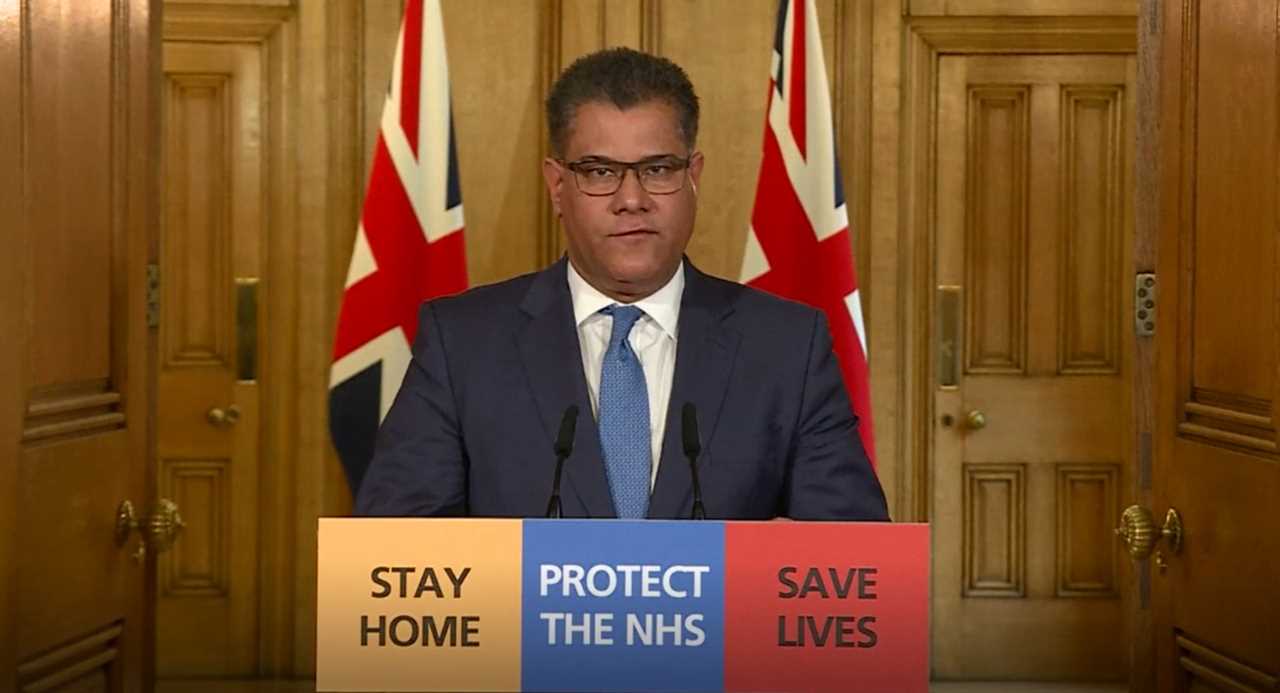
{"points": [[599, 159]]}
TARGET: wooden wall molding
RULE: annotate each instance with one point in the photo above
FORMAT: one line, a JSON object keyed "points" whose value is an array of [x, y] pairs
{"points": [[1188, 89], [77, 193], [1146, 204], [14, 367], [72, 409], [851, 78], [96, 652], [551, 40], [1004, 8], [1204, 664], [651, 26], [1117, 34], [198, 568], [216, 22], [927, 39], [1231, 420], [995, 515], [182, 343], [72, 386], [1083, 249], [997, 113], [1078, 518], [327, 152], [1216, 434]]}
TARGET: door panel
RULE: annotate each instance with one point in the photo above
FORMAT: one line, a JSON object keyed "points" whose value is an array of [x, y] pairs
{"points": [[208, 438], [1216, 458], [1031, 407], [79, 163]]}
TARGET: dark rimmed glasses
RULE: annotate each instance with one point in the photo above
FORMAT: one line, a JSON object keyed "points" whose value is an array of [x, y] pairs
{"points": [[599, 177]]}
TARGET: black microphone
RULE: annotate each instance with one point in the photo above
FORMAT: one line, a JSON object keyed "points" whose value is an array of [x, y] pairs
{"points": [[563, 448], [692, 448]]}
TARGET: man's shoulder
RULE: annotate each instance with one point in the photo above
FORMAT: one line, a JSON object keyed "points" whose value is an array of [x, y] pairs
{"points": [[753, 307], [484, 300]]}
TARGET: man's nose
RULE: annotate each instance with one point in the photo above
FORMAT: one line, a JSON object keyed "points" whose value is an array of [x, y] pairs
{"points": [[631, 196]]}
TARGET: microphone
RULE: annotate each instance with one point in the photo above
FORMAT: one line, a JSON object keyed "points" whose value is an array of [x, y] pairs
{"points": [[692, 448], [563, 448]]}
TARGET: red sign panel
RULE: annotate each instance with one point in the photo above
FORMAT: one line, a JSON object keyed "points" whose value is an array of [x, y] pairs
{"points": [[826, 607]]}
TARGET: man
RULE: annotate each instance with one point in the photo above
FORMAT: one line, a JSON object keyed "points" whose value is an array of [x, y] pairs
{"points": [[629, 331]]}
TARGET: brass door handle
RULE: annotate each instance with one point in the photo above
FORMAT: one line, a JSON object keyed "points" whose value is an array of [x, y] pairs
{"points": [[975, 420], [224, 417], [1138, 531], [159, 530]]}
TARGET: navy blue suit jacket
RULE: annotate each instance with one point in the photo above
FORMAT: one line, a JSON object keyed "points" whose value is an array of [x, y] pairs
{"points": [[471, 430]]}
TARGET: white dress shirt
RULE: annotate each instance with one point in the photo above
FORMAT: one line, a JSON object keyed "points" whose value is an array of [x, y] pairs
{"points": [[652, 338]]}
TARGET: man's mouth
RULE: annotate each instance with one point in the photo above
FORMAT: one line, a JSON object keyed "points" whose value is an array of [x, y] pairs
{"points": [[625, 233]]}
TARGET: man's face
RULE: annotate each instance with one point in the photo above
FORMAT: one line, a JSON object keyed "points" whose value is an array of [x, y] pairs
{"points": [[627, 244]]}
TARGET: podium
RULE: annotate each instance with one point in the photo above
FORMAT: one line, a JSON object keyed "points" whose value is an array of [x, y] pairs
{"points": [[618, 605]]}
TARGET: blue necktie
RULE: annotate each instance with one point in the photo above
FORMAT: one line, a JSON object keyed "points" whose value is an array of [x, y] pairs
{"points": [[624, 418]]}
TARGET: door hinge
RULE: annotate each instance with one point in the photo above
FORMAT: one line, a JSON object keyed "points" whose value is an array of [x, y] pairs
{"points": [[153, 295], [1144, 304]]}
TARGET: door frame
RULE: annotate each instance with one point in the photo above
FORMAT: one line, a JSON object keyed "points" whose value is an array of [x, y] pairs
{"points": [[926, 40], [315, 185], [13, 371], [1146, 211], [272, 29]]}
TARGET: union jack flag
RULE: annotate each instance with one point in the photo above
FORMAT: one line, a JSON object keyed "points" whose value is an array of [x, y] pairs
{"points": [[798, 245], [409, 244]]}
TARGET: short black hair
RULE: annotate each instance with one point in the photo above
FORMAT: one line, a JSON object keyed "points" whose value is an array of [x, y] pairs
{"points": [[624, 78]]}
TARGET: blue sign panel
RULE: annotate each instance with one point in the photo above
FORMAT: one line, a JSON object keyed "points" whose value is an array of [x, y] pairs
{"points": [[623, 606]]}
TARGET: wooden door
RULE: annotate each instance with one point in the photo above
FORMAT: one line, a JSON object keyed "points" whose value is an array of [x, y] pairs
{"points": [[208, 422], [1034, 225], [1215, 599], [77, 191]]}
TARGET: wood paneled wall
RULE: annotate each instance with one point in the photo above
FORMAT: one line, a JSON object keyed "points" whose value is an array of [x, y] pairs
{"points": [[881, 56], [77, 217], [1217, 371], [503, 58]]}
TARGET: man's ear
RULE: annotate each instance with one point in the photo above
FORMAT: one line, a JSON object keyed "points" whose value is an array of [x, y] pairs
{"points": [[553, 173], [695, 170]]}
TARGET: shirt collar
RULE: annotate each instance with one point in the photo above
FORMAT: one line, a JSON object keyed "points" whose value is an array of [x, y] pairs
{"points": [[663, 305]]}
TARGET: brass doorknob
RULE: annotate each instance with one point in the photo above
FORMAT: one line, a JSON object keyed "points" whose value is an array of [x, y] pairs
{"points": [[224, 417], [1138, 531], [975, 420], [159, 530], [164, 525]]}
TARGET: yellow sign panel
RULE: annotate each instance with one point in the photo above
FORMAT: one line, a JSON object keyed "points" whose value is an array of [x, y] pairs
{"points": [[412, 604]]}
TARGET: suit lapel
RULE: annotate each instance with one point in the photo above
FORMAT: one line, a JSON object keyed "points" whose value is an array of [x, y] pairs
{"points": [[552, 359], [705, 350]]}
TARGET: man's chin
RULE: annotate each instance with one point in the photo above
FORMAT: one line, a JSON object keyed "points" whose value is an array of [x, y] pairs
{"points": [[642, 277]]}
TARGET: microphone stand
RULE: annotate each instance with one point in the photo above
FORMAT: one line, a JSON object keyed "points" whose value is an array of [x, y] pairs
{"points": [[554, 511], [692, 445], [699, 513], [563, 448]]}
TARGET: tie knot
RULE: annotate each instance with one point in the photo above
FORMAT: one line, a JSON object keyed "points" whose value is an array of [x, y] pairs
{"points": [[624, 318]]}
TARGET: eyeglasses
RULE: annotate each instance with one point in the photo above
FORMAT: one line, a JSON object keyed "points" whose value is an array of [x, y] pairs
{"points": [[658, 175]]}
